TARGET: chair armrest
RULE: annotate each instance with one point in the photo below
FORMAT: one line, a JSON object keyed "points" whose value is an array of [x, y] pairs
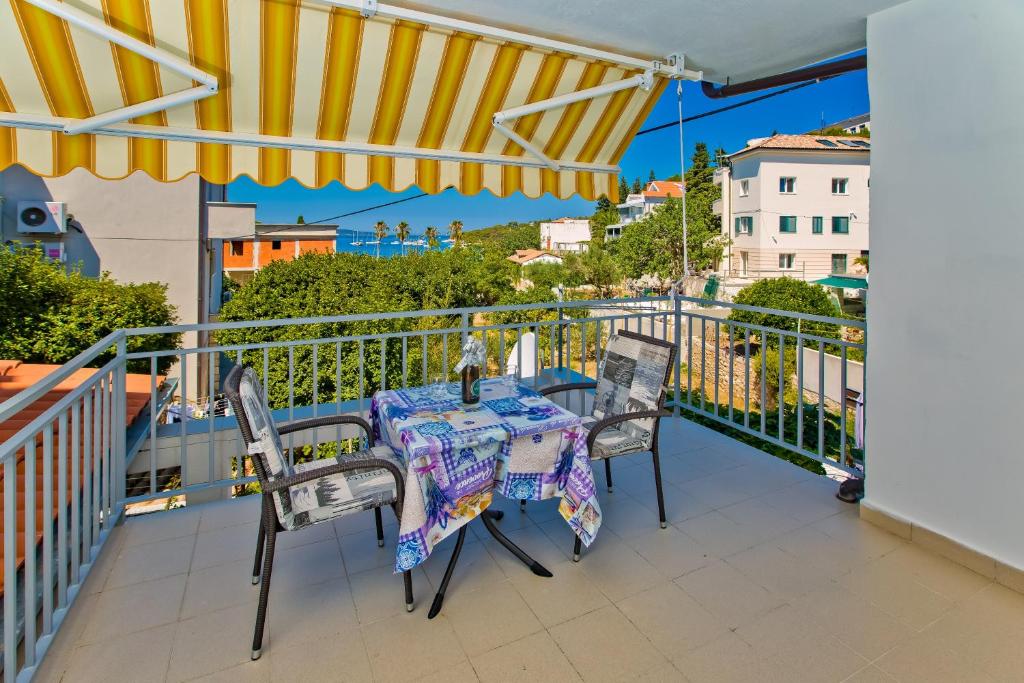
{"points": [[326, 421], [547, 391], [626, 417], [348, 463]]}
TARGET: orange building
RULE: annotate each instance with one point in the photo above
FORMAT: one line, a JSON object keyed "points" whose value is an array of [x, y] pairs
{"points": [[243, 256]]}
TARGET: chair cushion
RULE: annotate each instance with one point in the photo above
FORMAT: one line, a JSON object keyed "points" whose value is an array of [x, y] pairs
{"points": [[613, 441], [631, 379], [261, 423], [340, 494]]}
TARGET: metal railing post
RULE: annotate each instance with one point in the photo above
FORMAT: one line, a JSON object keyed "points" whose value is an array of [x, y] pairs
{"points": [[121, 424], [560, 330], [465, 327], [678, 341]]}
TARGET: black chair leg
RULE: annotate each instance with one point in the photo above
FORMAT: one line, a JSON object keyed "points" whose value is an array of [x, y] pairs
{"points": [[380, 527], [608, 473], [407, 577], [259, 554], [657, 485], [268, 566], [577, 548], [435, 607]]}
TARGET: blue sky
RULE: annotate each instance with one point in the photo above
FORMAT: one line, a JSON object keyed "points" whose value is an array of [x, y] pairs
{"points": [[794, 112]]}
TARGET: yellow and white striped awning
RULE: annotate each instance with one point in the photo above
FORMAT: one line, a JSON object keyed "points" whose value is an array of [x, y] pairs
{"points": [[309, 91]]}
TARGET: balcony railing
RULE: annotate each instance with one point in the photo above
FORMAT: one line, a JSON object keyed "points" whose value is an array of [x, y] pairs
{"points": [[787, 387]]}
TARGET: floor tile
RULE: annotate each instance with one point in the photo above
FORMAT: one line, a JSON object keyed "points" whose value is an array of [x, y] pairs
{"points": [[118, 659], [214, 641], [530, 659], [864, 628], [334, 656], [490, 617], [671, 552], [727, 659], [161, 526], [312, 611], [380, 593], [245, 510], [567, 595], [215, 588], [226, 544], [923, 659], [779, 572], [410, 646], [307, 565], [728, 594], [618, 570], [604, 646], [133, 608], [670, 619], [894, 591], [151, 561]]}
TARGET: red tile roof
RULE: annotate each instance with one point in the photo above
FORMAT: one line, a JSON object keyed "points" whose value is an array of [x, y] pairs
{"points": [[663, 188], [523, 256], [810, 142], [16, 376]]}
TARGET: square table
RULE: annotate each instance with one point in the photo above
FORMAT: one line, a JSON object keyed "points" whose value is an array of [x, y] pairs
{"points": [[514, 441]]}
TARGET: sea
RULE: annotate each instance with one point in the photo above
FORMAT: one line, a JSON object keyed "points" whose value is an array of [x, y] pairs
{"points": [[388, 247]]}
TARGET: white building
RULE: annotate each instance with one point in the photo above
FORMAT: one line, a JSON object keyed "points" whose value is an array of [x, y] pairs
{"points": [[795, 205], [854, 124], [639, 205], [532, 257], [565, 235]]}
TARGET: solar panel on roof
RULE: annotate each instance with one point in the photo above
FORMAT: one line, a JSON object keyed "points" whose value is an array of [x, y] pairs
{"points": [[827, 143], [848, 143], [862, 143]]}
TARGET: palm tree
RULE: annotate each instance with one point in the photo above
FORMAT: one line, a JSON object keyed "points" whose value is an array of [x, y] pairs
{"points": [[431, 234], [402, 232], [381, 231], [455, 231]]}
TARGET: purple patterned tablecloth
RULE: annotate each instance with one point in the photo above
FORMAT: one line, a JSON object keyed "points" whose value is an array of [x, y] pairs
{"points": [[514, 441]]}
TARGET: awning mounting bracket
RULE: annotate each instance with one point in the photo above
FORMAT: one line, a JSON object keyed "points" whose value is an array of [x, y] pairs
{"points": [[208, 83]]}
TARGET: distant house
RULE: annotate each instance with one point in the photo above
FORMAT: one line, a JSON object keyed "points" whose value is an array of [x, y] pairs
{"points": [[854, 124], [243, 256], [639, 205], [565, 235], [530, 257], [795, 205]]}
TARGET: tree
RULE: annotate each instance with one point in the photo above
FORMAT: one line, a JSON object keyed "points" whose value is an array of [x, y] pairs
{"points": [[786, 294], [455, 231], [637, 186], [650, 244], [546, 276], [431, 234], [381, 231], [705, 242], [599, 269], [623, 188], [49, 315], [402, 233], [651, 177], [603, 203], [300, 220], [605, 214]]}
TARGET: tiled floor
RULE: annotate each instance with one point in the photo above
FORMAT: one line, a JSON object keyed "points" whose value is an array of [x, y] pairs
{"points": [[761, 576]]}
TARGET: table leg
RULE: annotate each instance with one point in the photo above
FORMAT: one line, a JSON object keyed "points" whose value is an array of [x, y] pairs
{"points": [[439, 598], [533, 564], [488, 518]]}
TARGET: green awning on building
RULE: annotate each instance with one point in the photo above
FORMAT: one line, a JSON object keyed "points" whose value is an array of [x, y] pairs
{"points": [[843, 282]]}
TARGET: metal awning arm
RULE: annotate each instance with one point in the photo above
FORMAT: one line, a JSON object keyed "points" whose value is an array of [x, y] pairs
{"points": [[208, 82]]}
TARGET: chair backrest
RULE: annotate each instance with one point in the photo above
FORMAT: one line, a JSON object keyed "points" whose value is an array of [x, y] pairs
{"points": [[633, 377], [244, 391]]}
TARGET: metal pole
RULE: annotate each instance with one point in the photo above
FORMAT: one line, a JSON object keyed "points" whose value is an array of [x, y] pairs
{"points": [[682, 179]]}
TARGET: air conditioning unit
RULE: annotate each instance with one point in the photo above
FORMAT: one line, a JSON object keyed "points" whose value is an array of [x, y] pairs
{"points": [[48, 218]]}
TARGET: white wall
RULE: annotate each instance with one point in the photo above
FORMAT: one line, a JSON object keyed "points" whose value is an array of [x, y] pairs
{"points": [[567, 235], [945, 371]]}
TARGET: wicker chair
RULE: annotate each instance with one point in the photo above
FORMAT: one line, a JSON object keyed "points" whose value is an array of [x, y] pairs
{"points": [[295, 497], [629, 403]]}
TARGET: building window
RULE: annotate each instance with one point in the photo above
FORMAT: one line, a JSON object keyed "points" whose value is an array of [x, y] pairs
{"points": [[787, 224], [786, 261], [276, 245], [787, 185], [744, 225], [841, 225], [816, 225], [744, 259], [237, 248], [839, 185], [839, 263], [744, 188]]}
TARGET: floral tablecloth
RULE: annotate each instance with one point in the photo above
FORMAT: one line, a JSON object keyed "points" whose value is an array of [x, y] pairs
{"points": [[514, 441]]}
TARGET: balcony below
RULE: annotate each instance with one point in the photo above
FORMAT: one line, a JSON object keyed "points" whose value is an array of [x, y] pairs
{"points": [[761, 575]]}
